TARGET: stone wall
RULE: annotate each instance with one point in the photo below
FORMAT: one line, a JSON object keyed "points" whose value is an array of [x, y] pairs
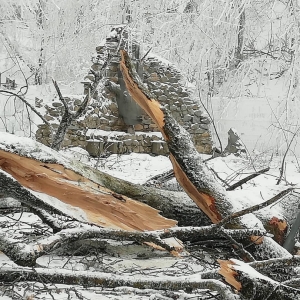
{"points": [[103, 128]]}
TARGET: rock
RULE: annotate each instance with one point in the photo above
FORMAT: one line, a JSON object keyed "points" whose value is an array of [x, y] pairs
{"points": [[198, 113], [194, 126], [235, 145], [138, 127], [187, 118], [205, 120], [57, 104], [204, 126], [77, 102], [156, 147], [196, 120], [162, 98], [48, 118]]}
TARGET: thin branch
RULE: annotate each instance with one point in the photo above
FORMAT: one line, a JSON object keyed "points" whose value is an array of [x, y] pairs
{"points": [[27, 104], [212, 121], [61, 98], [217, 175], [246, 179], [282, 168], [256, 207]]}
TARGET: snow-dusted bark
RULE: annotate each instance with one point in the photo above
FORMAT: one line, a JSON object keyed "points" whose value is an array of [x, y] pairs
{"points": [[96, 279], [189, 169], [253, 285], [56, 189]]}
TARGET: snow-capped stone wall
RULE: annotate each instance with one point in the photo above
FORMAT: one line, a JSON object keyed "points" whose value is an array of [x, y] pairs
{"points": [[113, 122]]}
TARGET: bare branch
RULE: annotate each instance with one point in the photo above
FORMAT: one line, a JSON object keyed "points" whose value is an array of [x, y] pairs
{"points": [[256, 207], [27, 104], [246, 179]]}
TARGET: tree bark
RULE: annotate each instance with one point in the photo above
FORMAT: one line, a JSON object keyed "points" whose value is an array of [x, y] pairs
{"points": [[97, 279], [91, 203], [253, 285], [192, 174]]}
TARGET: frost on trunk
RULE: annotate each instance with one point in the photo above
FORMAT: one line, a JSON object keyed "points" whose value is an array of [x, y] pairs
{"points": [[95, 279], [189, 169], [253, 285], [56, 189]]}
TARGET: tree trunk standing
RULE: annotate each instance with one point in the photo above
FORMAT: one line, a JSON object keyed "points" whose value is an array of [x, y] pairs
{"points": [[68, 116], [65, 122], [241, 36], [40, 20]]}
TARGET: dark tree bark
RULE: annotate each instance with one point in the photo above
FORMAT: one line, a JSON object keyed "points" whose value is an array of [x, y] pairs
{"points": [[241, 36], [253, 285], [190, 171]]}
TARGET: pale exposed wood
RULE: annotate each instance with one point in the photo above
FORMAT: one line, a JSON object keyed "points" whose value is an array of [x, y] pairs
{"points": [[229, 274], [152, 107], [253, 285], [189, 169], [204, 201], [102, 206], [145, 100]]}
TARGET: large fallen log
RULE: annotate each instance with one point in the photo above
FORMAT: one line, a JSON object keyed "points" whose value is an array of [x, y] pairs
{"points": [[172, 205], [192, 174], [56, 189]]}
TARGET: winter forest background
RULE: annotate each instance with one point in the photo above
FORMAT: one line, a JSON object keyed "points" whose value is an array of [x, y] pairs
{"points": [[241, 59], [241, 56]]}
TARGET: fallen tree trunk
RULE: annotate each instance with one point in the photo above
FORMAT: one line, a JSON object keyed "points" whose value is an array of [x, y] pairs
{"points": [[107, 280], [71, 194], [172, 205], [192, 174], [252, 284]]}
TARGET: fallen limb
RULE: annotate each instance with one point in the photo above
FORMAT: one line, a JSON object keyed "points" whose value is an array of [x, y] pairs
{"points": [[97, 279], [256, 207], [252, 284], [173, 205], [73, 195], [26, 254], [192, 174], [246, 179]]}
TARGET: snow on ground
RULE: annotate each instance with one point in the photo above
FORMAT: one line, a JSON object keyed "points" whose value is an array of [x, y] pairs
{"points": [[138, 168]]}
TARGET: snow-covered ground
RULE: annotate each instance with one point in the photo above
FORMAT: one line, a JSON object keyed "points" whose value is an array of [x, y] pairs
{"points": [[130, 261]]}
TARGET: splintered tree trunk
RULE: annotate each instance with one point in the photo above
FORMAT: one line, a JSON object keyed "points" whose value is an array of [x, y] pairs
{"points": [[190, 171], [57, 189], [253, 285]]}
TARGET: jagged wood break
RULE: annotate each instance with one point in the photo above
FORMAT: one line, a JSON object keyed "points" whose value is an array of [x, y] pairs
{"points": [[99, 205], [254, 285], [190, 171]]}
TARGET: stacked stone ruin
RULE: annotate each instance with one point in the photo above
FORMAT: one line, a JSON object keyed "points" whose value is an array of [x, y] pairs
{"points": [[113, 123]]}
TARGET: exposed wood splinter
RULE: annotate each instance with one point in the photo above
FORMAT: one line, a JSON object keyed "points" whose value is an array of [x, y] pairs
{"points": [[101, 206]]}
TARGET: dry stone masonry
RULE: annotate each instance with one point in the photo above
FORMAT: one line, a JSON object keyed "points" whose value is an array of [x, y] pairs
{"points": [[113, 122]]}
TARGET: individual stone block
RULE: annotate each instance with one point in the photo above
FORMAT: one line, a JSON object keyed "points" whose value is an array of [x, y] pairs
{"points": [[196, 120], [187, 118], [162, 98], [113, 147], [94, 148], [156, 147], [198, 113]]}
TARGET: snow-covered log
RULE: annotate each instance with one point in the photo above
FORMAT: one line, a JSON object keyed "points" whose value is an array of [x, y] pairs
{"points": [[189, 169], [36, 176], [253, 285], [105, 280]]}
